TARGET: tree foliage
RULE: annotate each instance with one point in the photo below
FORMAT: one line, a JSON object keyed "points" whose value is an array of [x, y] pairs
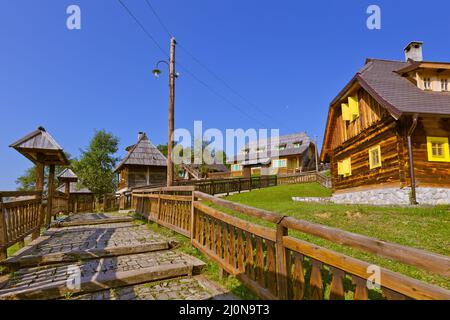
{"points": [[95, 168]]}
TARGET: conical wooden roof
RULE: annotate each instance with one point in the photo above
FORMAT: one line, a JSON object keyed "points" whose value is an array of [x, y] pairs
{"points": [[67, 175], [143, 153], [39, 146]]}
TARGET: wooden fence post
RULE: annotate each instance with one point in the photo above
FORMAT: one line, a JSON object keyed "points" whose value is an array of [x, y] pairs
{"points": [[158, 208], [192, 227], [3, 238], [281, 258]]}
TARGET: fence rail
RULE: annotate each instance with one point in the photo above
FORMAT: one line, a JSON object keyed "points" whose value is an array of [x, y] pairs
{"points": [[276, 265], [19, 217]]}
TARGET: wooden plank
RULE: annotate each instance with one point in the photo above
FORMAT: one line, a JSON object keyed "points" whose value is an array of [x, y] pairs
{"points": [[259, 213], [427, 260], [298, 277], [240, 251], [394, 281], [337, 284], [315, 282], [249, 262], [271, 269], [260, 274], [258, 230]]}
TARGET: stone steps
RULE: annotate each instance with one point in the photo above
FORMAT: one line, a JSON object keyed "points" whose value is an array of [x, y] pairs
{"points": [[183, 288], [91, 219], [53, 282], [83, 243]]}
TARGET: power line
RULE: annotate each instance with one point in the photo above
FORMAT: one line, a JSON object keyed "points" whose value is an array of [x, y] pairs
{"points": [[185, 68], [143, 28], [215, 75], [159, 19]]}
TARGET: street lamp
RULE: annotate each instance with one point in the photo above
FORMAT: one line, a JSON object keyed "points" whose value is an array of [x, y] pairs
{"points": [[172, 75]]}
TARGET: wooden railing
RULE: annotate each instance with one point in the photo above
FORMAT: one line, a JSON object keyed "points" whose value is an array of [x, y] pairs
{"points": [[170, 210], [306, 177], [21, 214], [276, 265], [227, 186], [108, 202]]}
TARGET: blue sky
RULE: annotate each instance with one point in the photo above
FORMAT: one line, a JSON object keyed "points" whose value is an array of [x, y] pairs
{"points": [[290, 58]]}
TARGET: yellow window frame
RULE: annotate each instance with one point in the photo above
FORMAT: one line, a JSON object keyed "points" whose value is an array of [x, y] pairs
{"points": [[445, 146], [372, 164]]}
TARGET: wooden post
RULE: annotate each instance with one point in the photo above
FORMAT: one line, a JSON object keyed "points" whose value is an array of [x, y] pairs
{"points": [[223, 274], [158, 208], [282, 272], [192, 229], [240, 185], [3, 237], [51, 179], [39, 187], [172, 76]]}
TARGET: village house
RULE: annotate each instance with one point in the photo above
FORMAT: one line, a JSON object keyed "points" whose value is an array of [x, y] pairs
{"points": [[387, 133], [293, 153], [144, 165], [80, 198]]}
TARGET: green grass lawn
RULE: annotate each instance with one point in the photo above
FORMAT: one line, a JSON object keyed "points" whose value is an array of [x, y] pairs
{"points": [[426, 228]]}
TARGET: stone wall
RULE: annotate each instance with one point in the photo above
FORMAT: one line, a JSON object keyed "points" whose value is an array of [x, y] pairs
{"points": [[394, 196]]}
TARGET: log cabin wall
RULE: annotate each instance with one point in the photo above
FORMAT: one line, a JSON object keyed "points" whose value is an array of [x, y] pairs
{"points": [[429, 173], [384, 133], [138, 176], [123, 178]]}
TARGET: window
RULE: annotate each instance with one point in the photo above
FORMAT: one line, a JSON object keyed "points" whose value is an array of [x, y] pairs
{"points": [[427, 83], [438, 149], [297, 144], [260, 150], [236, 167], [444, 84], [375, 157], [246, 151], [281, 147], [280, 163], [345, 167]]}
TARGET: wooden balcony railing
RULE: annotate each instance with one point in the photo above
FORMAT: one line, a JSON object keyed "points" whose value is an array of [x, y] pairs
{"points": [[277, 265]]}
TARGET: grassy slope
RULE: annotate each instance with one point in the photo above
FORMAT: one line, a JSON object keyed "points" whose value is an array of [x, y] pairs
{"points": [[421, 227]]}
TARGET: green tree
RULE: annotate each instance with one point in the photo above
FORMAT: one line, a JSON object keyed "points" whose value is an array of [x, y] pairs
{"points": [[95, 168]]}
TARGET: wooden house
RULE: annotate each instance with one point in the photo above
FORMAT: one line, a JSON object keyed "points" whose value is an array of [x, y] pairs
{"points": [[80, 198], [388, 130], [287, 154], [143, 165]]}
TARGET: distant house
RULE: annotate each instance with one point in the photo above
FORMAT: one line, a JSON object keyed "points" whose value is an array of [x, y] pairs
{"points": [[387, 133], [80, 198], [282, 155], [143, 165]]}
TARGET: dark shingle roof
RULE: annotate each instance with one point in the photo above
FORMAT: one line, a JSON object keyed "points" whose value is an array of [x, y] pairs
{"points": [[272, 143], [398, 94], [143, 153]]}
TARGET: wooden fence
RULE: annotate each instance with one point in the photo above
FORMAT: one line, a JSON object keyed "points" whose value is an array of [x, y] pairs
{"points": [[227, 186], [21, 215], [276, 265], [305, 177]]}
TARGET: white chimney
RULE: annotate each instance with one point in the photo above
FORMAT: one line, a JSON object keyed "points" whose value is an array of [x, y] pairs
{"points": [[413, 51], [140, 135]]}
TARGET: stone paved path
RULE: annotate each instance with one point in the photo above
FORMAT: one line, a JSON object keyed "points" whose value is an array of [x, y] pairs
{"points": [[107, 261]]}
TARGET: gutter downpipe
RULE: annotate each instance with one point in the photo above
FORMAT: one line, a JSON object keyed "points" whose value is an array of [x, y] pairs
{"points": [[411, 160]]}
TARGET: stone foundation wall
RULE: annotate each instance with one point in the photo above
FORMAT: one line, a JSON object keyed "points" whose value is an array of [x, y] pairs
{"points": [[394, 196]]}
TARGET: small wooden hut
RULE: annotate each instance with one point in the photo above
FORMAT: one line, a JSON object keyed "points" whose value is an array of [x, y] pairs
{"points": [[143, 165], [80, 198]]}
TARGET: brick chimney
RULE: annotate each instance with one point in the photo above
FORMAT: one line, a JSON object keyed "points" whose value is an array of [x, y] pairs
{"points": [[413, 51]]}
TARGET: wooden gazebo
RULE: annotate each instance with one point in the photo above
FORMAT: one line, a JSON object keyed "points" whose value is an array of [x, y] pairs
{"points": [[41, 149], [66, 177], [80, 198]]}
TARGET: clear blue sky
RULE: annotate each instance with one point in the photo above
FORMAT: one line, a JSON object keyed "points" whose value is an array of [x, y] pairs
{"points": [[288, 57]]}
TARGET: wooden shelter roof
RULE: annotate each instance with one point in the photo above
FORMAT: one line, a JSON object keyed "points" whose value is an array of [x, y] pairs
{"points": [[67, 175], [143, 153], [39, 146], [74, 188]]}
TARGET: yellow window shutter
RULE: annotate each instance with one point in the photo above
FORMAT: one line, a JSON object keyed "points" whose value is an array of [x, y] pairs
{"points": [[346, 115], [340, 171], [348, 167], [353, 105]]}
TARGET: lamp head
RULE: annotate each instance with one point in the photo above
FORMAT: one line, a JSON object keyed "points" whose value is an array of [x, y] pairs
{"points": [[156, 73]]}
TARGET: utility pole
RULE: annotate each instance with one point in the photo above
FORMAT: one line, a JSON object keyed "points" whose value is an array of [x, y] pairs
{"points": [[316, 155], [172, 77]]}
